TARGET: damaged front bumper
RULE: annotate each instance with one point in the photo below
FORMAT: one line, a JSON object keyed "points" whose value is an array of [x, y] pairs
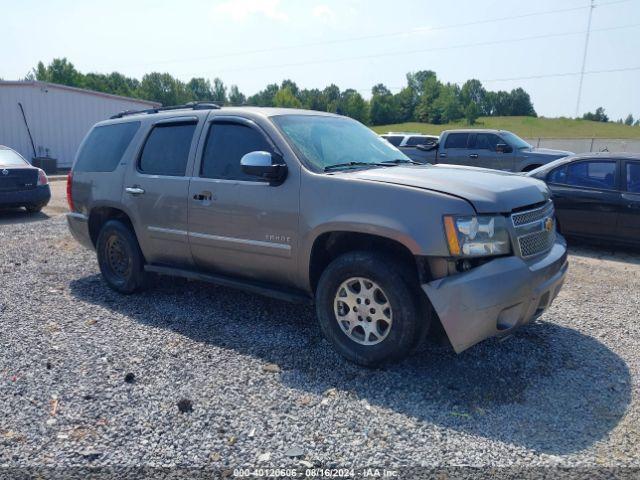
{"points": [[498, 296]]}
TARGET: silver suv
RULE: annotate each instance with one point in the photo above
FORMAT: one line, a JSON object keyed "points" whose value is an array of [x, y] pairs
{"points": [[315, 207]]}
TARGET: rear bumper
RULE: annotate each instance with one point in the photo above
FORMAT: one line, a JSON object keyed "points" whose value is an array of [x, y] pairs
{"points": [[35, 196], [497, 297], [79, 228]]}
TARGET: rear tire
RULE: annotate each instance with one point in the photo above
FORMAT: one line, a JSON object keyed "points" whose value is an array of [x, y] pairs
{"points": [[368, 309], [120, 258]]}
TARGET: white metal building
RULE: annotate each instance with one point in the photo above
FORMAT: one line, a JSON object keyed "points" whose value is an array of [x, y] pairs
{"points": [[57, 116]]}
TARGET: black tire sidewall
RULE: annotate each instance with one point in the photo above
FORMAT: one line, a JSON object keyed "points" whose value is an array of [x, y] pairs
{"points": [[134, 281], [404, 328]]}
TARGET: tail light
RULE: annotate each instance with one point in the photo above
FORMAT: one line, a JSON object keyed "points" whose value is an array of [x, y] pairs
{"points": [[42, 178], [69, 190]]}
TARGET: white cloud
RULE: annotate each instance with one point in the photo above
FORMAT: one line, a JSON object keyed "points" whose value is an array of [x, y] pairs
{"points": [[324, 13], [240, 10]]}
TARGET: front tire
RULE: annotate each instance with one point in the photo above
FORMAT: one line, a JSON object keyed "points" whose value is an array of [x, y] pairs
{"points": [[120, 258], [34, 208], [368, 309]]}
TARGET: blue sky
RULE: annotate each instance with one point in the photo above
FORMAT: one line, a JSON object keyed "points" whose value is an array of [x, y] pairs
{"points": [[317, 42]]}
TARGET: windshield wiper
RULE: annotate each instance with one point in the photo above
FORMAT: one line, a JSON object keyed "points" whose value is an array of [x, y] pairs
{"points": [[398, 161], [328, 168]]}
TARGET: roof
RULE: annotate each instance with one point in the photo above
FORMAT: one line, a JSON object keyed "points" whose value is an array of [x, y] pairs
{"points": [[611, 155], [257, 111], [475, 130], [35, 83]]}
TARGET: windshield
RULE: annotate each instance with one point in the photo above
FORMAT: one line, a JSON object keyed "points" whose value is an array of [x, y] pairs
{"points": [[330, 141], [514, 140], [9, 158]]}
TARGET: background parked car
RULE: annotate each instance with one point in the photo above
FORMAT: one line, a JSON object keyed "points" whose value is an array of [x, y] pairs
{"points": [[417, 146], [497, 149], [596, 195], [21, 184]]}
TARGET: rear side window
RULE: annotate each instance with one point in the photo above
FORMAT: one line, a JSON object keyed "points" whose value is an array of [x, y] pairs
{"points": [[103, 149], [167, 149], [226, 144], [456, 140], [633, 177], [594, 174], [393, 140]]}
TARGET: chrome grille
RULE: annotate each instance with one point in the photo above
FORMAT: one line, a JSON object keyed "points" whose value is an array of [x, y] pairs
{"points": [[535, 243], [532, 232], [530, 216]]}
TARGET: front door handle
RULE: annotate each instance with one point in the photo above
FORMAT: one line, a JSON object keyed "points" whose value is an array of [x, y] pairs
{"points": [[443, 154], [473, 155], [134, 190], [203, 196]]}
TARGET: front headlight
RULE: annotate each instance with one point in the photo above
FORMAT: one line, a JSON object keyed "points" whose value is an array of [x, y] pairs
{"points": [[477, 236]]}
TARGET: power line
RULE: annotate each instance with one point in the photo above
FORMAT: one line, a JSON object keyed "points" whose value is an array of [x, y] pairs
{"points": [[422, 50], [405, 32], [564, 74]]}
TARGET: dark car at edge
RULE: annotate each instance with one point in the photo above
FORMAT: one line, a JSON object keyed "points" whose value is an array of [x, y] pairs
{"points": [[596, 195], [21, 184]]}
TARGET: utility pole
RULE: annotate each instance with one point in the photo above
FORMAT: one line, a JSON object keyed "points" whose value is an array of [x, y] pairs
{"points": [[584, 57]]}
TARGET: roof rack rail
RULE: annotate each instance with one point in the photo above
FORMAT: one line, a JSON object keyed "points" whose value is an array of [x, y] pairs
{"points": [[190, 105]]}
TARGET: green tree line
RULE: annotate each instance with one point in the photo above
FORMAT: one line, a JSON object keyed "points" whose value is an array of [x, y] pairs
{"points": [[424, 98]]}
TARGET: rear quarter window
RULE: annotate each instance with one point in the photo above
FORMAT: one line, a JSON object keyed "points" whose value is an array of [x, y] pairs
{"points": [[104, 147]]}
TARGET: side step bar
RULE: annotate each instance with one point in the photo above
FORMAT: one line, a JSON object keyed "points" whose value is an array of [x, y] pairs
{"points": [[266, 290]]}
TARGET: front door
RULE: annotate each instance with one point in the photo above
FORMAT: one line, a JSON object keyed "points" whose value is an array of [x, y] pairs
{"points": [[586, 197], [482, 151], [241, 225], [629, 219], [156, 190]]}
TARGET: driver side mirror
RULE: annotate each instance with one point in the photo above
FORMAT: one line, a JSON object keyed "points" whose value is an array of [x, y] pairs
{"points": [[426, 147], [265, 166], [504, 148]]}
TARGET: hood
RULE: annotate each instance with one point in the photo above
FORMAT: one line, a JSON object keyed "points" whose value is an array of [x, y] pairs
{"points": [[545, 152], [489, 191]]}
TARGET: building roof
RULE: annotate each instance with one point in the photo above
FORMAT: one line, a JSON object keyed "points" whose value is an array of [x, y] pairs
{"points": [[37, 84]]}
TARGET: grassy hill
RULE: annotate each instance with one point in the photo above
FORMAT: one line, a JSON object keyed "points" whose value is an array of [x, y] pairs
{"points": [[528, 127]]}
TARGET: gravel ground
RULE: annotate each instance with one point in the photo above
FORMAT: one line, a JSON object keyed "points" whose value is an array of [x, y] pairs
{"points": [[190, 374]]}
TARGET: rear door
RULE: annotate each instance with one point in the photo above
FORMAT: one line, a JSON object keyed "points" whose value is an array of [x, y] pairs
{"points": [[454, 150], [240, 225], [156, 189], [586, 197], [629, 219]]}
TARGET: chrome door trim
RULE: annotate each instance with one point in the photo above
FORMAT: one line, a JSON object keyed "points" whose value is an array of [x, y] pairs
{"points": [[241, 241]]}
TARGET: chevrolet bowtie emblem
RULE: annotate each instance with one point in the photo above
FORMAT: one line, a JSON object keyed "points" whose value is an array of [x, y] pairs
{"points": [[548, 224]]}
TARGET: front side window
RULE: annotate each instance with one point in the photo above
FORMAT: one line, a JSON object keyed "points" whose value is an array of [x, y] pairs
{"points": [[633, 177], [456, 140], [487, 141], [592, 174], [167, 149], [325, 141], [559, 175], [104, 147], [413, 141], [394, 140], [226, 144], [9, 158]]}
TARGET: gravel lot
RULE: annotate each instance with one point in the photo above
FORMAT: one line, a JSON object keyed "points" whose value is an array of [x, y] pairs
{"points": [[90, 377]]}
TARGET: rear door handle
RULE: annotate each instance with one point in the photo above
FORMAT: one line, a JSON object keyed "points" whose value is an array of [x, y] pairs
{"points": [[203, 196], [473, 155], [134, 190], [443, 155]]}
